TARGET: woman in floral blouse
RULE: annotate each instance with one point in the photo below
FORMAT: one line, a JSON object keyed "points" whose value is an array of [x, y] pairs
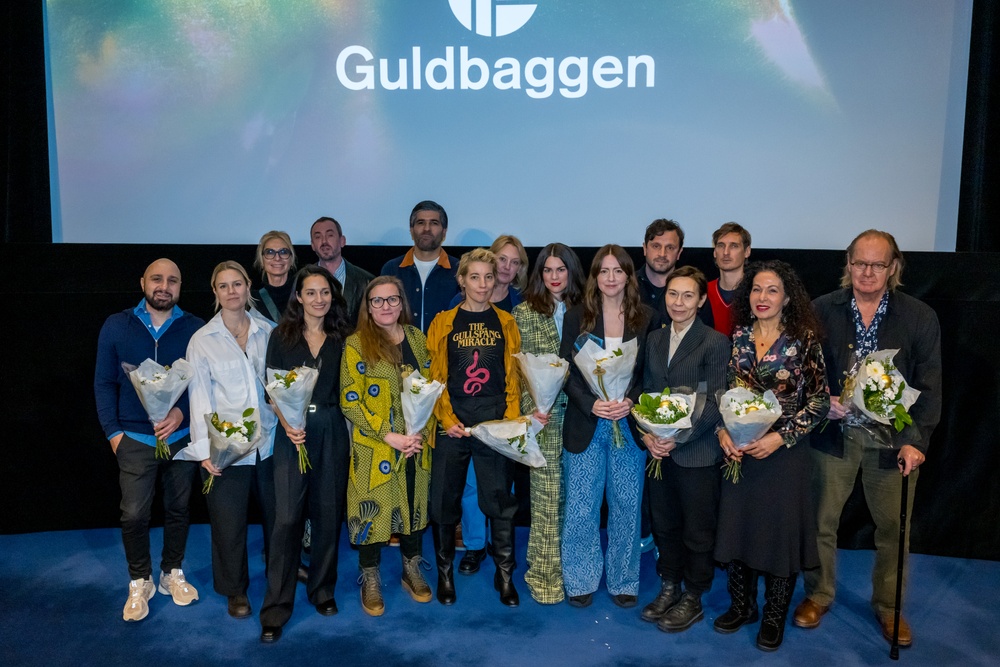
{"points": [[766, 523]]}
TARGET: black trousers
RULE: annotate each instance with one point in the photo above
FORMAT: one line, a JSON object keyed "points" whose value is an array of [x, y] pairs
{"points": [[138, 469], [227, 512], [320, 494], [494, 476], [684, 510]]}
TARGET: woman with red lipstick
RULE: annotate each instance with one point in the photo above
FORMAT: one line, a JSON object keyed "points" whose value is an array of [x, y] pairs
{"points": [[555, 284], [766, 523]]}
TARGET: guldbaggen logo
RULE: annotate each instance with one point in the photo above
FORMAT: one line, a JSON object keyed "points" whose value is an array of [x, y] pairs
{"points": [[491, 18]]}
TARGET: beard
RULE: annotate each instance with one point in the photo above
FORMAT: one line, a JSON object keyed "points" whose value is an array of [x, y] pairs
{"points": [[427, 242], [160, 300]]}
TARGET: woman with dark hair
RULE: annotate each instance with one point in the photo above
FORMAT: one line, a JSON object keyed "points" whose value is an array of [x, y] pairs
{"points": [[276, 260], [471, 347], [555, 284], [390, 471], [610, 314], [311, 333], [766, 522]]}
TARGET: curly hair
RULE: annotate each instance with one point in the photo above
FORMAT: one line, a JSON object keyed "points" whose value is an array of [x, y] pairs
{"points": [[336, 323], [797, 317], [635, 314]]}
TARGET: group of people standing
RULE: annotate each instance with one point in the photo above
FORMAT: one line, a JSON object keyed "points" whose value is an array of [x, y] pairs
{"points": [[460, 321]]}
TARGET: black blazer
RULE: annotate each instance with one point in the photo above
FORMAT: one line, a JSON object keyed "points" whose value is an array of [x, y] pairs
{"points": [[580, 423], [699, 364]]}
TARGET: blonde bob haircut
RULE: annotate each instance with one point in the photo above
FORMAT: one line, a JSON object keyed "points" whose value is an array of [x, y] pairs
{"points": [[521, 279]]}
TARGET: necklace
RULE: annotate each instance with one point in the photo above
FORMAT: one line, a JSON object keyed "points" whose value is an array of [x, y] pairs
{"points": [[239, 333]]}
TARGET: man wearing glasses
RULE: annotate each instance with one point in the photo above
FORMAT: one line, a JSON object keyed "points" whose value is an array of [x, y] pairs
{"points": [[327, 239], [869, 314]]}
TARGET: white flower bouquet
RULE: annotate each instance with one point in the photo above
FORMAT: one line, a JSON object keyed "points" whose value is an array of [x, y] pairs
{"points": [[608, 373], [664, 415], [881, 393], [230, 440], [545, 374], [747, 416], [418, 396], [514, 438], [291, 391], [158, 388]]}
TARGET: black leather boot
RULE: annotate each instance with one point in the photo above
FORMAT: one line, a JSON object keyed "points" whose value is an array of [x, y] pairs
{"points": [[502, 531], [777, 598], [742, 586], [444, 552]]}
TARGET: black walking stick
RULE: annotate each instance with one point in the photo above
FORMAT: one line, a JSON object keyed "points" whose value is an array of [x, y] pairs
{"points": [[894, 650]]}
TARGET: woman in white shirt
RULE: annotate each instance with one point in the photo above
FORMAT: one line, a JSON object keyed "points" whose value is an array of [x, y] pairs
{"points": [[228, 357]]}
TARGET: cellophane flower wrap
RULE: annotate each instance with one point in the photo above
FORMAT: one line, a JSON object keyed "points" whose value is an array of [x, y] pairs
{"points": [[545, 375], [881, 393], [514, 438], [664, 415], [230, 438], [158, 388], [418, 396], [291, 391], [747, 416], [608, 373]]}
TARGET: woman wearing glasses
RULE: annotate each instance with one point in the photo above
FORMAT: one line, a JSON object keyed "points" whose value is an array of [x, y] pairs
{"points": [[390, 471], [275, 259]]}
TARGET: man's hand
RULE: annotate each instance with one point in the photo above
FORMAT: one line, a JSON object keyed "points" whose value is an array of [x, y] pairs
{"points": [[115, 442], [909, 458], [166, 428], [837, 409]]}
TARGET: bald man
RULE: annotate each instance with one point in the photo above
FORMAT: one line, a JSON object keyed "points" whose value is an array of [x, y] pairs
{"points": [[155, 329]]}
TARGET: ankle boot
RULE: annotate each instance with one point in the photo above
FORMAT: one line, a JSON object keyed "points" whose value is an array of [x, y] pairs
{"points": [[502, 531], [777, 598], [371, 591], [742, 586], [444, 552]]}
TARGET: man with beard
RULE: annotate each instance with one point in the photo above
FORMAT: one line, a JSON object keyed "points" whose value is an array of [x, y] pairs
{"points": [[426, 270], [327, 239], [731, 250], [155, 329], [662, 248]]}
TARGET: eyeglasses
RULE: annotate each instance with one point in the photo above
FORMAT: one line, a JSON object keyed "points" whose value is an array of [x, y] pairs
{"points": [[877, 267], [378, 301], [271, 253]]}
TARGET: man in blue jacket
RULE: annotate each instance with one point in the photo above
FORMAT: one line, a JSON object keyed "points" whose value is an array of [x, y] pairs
{"points": [[155, 329], [427, 271]]}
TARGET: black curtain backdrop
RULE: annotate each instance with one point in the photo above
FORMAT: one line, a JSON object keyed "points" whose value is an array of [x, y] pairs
{"points": [[58, 471]]}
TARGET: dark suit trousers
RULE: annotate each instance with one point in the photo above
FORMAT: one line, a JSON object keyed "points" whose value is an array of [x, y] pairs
{"points": [[494, 473]]}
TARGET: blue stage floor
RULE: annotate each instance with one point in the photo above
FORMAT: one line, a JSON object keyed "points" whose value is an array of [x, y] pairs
{"points": [[61, 597]]}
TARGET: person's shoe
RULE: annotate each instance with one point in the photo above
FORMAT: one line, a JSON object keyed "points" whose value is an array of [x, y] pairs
{"points": [[270, 634], [328, 608], [371, 591], [905, 634], [140, 592], [682, 615], [504, 584], [471, 561], [670, 594], [580, 601], [742, 586], [413, 580], [173, 584], [239, 606], [624, 600], [777, 599], [808, 614], [302, 574]]}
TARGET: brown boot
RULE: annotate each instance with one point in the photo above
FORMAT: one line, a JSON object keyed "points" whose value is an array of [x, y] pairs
{"points": [[808, 614], [413, 580], [371, 591]]}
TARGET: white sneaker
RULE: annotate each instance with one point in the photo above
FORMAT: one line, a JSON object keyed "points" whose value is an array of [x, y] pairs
{"points": [[140, 591], [177, 587]]}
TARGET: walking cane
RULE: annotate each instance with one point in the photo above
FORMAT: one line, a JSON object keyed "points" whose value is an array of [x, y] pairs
{"points": [[894, 650]]}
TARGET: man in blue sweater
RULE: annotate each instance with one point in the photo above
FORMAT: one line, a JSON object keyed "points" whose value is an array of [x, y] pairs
{"points": [[155, 329]]}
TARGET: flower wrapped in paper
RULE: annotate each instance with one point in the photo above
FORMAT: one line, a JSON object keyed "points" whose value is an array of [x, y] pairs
{"points": [[747, 416], [230, 439], [663, 415], [608, 373], [291, 392], [880, 392], [158, 388], [418, 396], [545, 375], [514, 438]]}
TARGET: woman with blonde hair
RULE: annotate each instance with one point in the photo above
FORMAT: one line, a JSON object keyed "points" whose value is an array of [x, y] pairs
{"points": [[276, 260]]}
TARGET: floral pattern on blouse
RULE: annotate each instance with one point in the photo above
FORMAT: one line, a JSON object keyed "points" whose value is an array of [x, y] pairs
{"points": [[796, 373]]}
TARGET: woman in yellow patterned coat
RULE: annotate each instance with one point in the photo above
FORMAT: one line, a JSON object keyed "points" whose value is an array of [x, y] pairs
{"points": [[390, 471]]}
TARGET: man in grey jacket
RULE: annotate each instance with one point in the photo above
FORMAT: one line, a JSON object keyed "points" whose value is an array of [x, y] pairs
{"points": [[327, 239]]}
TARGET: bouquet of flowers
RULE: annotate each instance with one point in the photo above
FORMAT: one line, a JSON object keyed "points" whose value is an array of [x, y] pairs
{"points": [[664, 415], [545, 374], [418, 396], [514, 438], [608, 373], [230, 440], [158, 388], [880, 392], [290, 392], [747, 416]]}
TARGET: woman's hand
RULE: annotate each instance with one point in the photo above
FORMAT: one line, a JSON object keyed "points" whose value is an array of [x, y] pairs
{"points": [[405, 444], [212, 470], [837, 409], [457, 431], [765, 446], [541, 417], [729, 447], [658, 447], [613, 410], [296, 435]]}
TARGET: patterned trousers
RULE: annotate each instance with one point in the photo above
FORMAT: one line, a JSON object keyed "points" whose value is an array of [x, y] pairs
{"points": [[544, 576]]}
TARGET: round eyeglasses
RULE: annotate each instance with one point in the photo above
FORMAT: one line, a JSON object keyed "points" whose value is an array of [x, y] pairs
{"points": [[378, 301]]}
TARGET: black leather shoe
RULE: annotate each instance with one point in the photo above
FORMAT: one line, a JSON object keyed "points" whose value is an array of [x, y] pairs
{"points": [[580, 601], [682, 615], [270, 634], [503, 584], [302, 574], [625, 601], [471, 561], [446, 586], [328, 608], [239, 606], [670, 594]]}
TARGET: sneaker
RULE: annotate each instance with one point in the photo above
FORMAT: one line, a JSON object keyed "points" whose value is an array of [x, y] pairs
{"points": [[140, 592], [174, 585], [371, 591], [413, 580]]}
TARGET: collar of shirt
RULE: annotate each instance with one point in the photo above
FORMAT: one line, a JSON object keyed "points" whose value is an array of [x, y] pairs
{"points": [[142, 313], [341, 273], [558, 315], [866, 339], [676, 337]]}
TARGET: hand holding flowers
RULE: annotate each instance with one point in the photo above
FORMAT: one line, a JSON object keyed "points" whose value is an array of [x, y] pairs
{"points": [[662, 415], [609, 375], [514, 438], [158, 388], [881, 393], [290, 393], [747, 417], [418, 396], [230, 439]]}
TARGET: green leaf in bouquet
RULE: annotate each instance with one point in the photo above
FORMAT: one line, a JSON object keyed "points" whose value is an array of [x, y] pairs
{"points": [[618, 352], [903, 419], [247, 412], [648, 403]]}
